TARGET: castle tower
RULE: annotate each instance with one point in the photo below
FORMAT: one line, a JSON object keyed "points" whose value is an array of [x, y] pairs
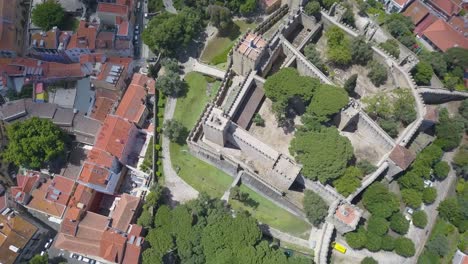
{"points": [[248, 53], [216, 126]]}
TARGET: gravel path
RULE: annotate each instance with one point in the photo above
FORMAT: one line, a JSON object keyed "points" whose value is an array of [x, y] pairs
{"points": [[179, 190]]}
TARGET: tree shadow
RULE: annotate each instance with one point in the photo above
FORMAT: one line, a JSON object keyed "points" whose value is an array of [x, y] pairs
{"points": [[232, 31]]}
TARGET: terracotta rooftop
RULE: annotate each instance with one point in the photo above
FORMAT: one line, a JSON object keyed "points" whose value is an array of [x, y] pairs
{"points": [[448, 7], [102, 107], [347, 214], [142, 80], [425, 23], [104, 40], [112, 246], [114, 135], [133, 104], [25, 186], [94, 174], [16, 231], [124, 211], [47, 40], [251, 45], [85, 36], [442, 35], [432, 114], [121, 10], [79, 202], [402, 157], [52, 196], [134, 244], [416, 11], [100, 157]]}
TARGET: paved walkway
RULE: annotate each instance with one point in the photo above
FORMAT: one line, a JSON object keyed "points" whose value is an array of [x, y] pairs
{"points": [[179, 190], [169, 5], [206, 69]]}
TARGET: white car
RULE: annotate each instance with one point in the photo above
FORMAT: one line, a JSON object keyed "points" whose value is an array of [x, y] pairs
{"points": [[42, 253], [410, 211], [47, 245], [85, 260], [428, 183]]}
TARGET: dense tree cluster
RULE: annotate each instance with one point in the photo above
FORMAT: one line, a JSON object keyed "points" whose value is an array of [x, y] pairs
{"points": [[448, 66], [379, 201], [460, 161], [389, 112], [324, 154], [34, 143], [206, 232], [361, 51], [404, 247], [327, 101], [422, 73], [313, 9], [454, 210], [399, 224], [48, 14], [289, 91], [391, 46], [401, 27], [448, 131], [313, 56], [219, 16], [420, 219], [315, 207], [377, 73], [170, 83], [349, 182], [338, 46], [166, 32]]}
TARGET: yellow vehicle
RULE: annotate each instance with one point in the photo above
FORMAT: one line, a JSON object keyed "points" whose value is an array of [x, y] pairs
{"points": [[339, 247]]}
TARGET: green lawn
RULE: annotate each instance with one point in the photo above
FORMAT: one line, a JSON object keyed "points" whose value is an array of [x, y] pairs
{"points": [[450, 231], [200, 175], [269, 213], [217, 49]]}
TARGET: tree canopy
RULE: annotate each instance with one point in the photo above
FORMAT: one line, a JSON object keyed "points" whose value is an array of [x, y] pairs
{"points": [[324, 154], [377, 225], [448, 131], [420, 219], [286, 87], [422, 73], [220, 16], [399, 224], [369, 260], [338, 46], [166, 32], [313, 56], [350, 84], [48, 14], [379, 201], [327, 101], [439, 244], [404, 247], [313, 9], [34, 142], [378, 73], [175, 131], [38, 259], [361, 51], [391, 46], [349, 182], [412, 198], [206, 232], [315, 207], [429, 195], [357, 239]]}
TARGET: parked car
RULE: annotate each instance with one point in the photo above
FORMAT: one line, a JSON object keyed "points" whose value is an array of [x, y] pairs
{"points": [[85, 259], [410, 211], [42, 253], [75, 256], [428, 183], [47, 245]]}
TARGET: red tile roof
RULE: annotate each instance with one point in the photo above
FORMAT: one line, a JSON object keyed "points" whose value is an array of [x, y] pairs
{"points": [[85, 36], [142, 80], [121, 10], [448, 7], [52, 196], [114, 135], [94, 174], [112, 246], [133, 104], [402, 157], [101, 157], [49, 39], [8, 35], [444, 36], [25, 185], [425, 23], [79, 202], [347, 214], [124, 211], [417, 11], [102, 107], [104, 40]]}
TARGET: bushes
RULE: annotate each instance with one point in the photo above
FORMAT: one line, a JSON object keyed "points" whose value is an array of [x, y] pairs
{"points": [[399, 224], [391, 46], [441, 170], [420, 219], [378, 73], [429, 195], [350, 84], [423, 73], [388, 243], [338, 48], [369, 260], [377, 225], [404, 247]]}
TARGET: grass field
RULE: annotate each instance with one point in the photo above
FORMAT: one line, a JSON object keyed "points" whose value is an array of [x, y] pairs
{"points": [[269, 213], [200, 175], [217, 49]]}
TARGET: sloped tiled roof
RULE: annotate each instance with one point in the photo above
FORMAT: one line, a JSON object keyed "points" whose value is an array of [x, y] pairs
{"points": [[444, 36], [402, 157]]}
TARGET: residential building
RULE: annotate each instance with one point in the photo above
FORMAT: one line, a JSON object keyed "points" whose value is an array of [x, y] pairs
{"points": [[416, 11], [107, 72], [117, 137], [396, 6], [133, 104], [443, 36], [83, 41], [446, 8], [101, 171], [50, 45], [13, 14], [16, 235]]}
